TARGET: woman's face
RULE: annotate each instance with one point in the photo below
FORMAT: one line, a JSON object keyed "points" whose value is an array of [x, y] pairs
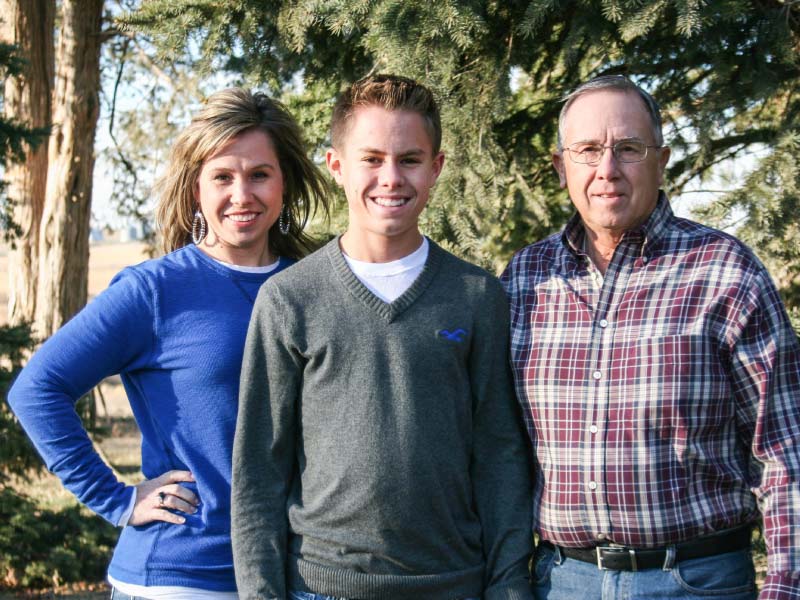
{"points": [[240, 193]]}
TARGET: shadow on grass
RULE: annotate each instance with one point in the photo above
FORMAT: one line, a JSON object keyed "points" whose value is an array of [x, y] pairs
{"points": [[42, 548], [127, 469], [66, 592]]}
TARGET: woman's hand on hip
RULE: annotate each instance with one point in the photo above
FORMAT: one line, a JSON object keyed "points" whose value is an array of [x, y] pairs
{"points": [[157, 498]]}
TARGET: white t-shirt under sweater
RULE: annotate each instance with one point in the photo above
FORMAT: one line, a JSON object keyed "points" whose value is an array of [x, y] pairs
{"points": [[389, 280]]}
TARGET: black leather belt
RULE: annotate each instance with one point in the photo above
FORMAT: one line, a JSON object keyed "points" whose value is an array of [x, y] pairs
{"points": [[623, 558]]}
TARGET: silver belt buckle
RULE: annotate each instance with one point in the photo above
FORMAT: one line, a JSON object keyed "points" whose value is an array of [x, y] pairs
{"points": [[615, 550]]}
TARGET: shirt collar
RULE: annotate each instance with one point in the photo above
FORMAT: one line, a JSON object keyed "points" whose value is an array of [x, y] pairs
{"points": [[650, 232]]}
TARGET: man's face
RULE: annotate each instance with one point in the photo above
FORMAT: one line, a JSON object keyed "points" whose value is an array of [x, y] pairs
{"points": [[611, 197], [386, 166]]}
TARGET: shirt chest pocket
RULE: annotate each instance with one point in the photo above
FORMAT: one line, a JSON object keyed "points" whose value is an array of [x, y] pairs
{"points": [[680, 382]]}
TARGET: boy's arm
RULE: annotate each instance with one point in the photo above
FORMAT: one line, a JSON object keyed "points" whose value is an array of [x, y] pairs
{"points": [[263, 451], [501, 465]]}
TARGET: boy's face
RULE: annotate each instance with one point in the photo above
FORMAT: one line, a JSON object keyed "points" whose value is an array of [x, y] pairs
{"points": [[386, 166]]}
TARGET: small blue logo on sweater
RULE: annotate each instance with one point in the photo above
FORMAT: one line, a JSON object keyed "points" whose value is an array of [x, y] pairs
{"points": [[457, 335]]}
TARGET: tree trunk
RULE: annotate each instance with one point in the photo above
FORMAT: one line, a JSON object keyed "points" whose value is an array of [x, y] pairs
{"points": [[29, 25], [64, 232]]}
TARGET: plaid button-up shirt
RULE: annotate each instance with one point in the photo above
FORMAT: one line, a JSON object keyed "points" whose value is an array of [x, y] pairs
{"points": [[663, 404]]}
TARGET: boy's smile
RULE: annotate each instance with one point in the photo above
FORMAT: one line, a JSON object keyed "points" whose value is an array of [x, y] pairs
{"points": [[386, 167]]}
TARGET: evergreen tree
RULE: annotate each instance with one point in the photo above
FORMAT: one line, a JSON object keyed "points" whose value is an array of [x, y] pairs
{"points": [[17, 455], [724, 72], [29, 25], [765, 213]]}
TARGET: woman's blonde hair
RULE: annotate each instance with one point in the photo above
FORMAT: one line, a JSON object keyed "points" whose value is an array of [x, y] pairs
{"points": [[225, 115]]}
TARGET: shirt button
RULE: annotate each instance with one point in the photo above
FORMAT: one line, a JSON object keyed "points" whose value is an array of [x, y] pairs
{"points": [[596, 375], [593, 428], [601, 536], [644, 259], [592, 485], [603, 323]]}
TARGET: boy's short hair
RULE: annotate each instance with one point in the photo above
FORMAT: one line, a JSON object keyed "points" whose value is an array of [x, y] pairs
{"points": [[390, 92]]}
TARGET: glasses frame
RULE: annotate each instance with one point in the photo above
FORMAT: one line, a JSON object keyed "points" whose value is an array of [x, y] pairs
{"points": [[613, 148]]}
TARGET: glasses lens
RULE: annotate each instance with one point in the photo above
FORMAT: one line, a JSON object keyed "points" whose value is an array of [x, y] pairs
{"points": [[630, 151], [585, 154], [626, 151]]}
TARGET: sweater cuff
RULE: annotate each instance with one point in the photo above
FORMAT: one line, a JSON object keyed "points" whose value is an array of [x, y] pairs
{"points": [[519, 589], [781, 586], [114, 508], [126, 516]]}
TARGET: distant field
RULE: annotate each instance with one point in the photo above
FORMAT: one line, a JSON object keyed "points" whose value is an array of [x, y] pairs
{"points": [[105, 260]]}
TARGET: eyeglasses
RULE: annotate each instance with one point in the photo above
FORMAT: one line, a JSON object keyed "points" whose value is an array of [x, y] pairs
{"points": [[625, 151]]}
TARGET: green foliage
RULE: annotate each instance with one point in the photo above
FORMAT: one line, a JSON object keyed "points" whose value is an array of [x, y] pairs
{"points": [[726, 73], [14, 139], [37, 548], [765, 214], [42, 548], [17, 455]]}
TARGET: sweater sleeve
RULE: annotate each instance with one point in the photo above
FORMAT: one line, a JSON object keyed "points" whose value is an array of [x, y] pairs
{"points": [[264, 450], [500, 463], [112, 334]]}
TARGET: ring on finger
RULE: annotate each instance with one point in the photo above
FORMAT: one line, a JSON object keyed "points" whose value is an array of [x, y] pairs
{"points": [[161, 497]]}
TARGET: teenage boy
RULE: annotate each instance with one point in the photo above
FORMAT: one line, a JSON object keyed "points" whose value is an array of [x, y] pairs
{"points": [[378, 451]]}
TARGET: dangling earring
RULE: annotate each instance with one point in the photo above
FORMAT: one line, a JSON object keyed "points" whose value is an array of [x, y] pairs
{"points": [[285, 220], [198, 223]]}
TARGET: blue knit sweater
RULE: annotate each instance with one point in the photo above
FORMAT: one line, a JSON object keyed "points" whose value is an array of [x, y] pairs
{"points": [[174, 329]]}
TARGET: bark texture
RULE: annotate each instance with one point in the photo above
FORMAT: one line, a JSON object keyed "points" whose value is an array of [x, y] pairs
{"points": [[64, 232], [29, 25]]}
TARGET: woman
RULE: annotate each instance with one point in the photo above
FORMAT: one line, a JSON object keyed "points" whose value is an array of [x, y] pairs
{"points": [[237, 192]]}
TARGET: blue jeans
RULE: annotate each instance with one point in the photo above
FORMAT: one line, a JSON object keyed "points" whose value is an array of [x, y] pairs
{"points": [[312, 596], [728, 576]]}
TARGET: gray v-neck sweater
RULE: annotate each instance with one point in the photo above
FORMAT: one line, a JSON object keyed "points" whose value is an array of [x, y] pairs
{"points": [[379, 453]]}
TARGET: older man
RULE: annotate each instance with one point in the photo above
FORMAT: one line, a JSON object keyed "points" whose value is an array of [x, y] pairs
{"points": [[659, 377]]}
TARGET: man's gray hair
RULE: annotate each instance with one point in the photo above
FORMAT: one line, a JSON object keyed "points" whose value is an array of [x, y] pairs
{"points": [[613, 82]]}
